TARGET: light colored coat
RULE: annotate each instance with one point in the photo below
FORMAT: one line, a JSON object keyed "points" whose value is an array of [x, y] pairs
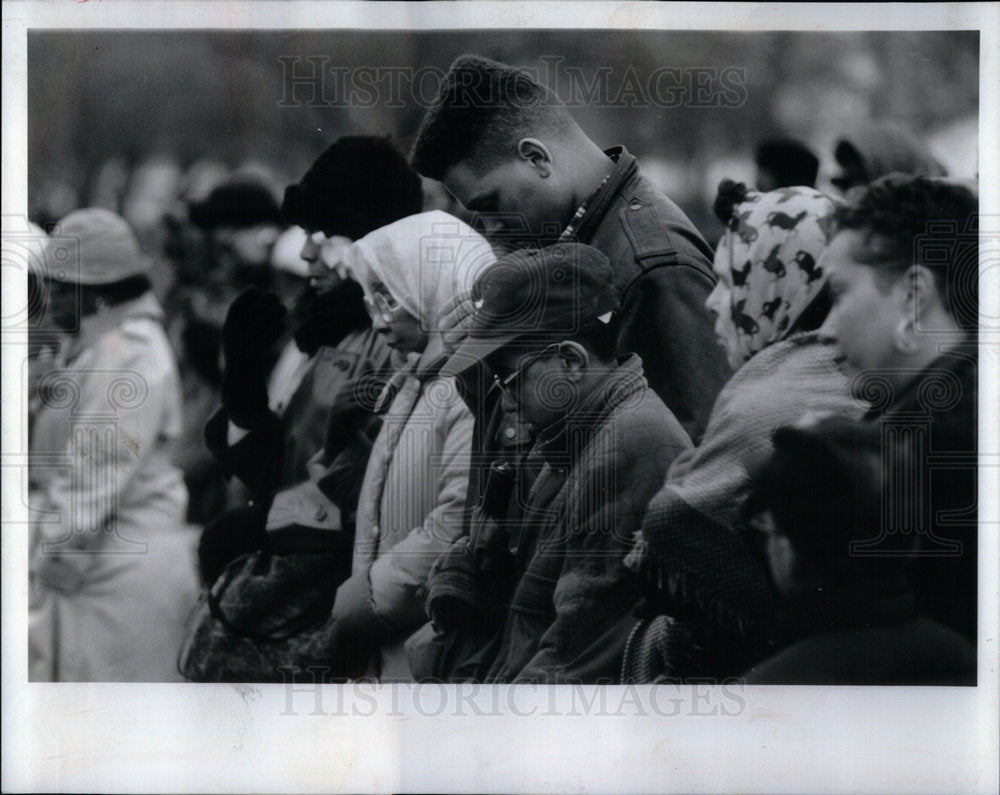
{"points": [[412, 501], [113, 574]]}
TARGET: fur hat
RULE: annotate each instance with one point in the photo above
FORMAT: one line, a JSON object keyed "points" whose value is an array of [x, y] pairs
{"points": [[239, 203], [358, 184]]}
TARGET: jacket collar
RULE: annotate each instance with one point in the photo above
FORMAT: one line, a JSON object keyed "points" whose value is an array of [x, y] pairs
{"points": [[423, 366], [432, 359], [614, 389], [960, 362], [96, 326], [626, 168]]}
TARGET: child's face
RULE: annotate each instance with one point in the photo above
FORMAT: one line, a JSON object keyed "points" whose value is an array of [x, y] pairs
{"points": [[401, 330]]}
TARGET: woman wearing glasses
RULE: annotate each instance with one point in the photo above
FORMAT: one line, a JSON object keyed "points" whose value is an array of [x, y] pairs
{"points": [[417, 274]]}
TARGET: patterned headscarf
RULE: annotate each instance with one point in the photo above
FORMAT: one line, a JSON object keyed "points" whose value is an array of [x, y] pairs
{"points": [[772, 244]]}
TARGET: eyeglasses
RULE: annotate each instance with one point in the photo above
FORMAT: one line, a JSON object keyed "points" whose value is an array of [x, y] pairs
{"points": [[505, 385], [382, 307]]}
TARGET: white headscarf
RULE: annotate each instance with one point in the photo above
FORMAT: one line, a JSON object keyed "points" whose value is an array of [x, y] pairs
{"points": [[428, 263]]}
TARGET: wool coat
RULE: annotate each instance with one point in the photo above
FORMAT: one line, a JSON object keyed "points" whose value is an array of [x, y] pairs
{"points": [[564, 612], [112, 576]]}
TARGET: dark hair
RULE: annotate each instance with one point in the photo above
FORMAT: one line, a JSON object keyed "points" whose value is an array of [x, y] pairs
{"points": [[37, 297], [824, 488], [814, 315], [909, 220], [729, 194], [483, 109], [116, 292], [791, 161]]}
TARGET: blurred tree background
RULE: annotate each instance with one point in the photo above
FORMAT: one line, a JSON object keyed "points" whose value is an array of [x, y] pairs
{"points": [[102, 103]]}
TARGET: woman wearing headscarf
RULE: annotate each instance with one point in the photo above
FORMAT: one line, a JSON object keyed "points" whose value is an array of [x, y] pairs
{"points": [[709, 592], [417, 274]]}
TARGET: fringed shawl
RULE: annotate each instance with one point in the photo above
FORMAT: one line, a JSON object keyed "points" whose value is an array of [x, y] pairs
{"points": [[691, 544]]}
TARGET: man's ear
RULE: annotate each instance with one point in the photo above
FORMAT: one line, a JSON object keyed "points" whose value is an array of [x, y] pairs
{"points": [[575, 357], [538, 154], [922, 294]]}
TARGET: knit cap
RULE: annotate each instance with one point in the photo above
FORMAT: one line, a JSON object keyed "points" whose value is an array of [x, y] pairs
{"points": [[94, 246]]}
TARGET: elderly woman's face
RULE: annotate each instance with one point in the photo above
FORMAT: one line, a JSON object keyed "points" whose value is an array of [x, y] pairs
{"points": [[719, 302], [401, 330], [65, 304]]}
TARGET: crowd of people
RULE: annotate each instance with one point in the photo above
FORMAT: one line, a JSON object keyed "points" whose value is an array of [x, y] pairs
{"points": [[530, 428]]}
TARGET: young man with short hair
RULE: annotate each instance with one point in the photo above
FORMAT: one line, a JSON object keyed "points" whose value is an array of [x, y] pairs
{"points": [[512, 154]]}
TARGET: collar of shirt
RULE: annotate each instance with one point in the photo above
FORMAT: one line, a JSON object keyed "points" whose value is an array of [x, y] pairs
{"points": [[569, 233]]}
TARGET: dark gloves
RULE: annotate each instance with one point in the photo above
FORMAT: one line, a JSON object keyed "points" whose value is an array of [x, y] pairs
{"points": [[353, 412], [200, 345], [254, 322], [332, 317], [344, 476], [458, 594]]}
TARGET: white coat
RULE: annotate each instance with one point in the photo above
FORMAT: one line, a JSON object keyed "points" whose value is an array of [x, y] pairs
{"points": [[113, 576]]}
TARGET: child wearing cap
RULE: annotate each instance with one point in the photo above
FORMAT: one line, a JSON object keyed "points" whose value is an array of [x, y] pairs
{"points": [[549, 580]]}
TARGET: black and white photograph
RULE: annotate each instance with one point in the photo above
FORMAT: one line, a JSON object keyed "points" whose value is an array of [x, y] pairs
{"points": [[500, 397]]}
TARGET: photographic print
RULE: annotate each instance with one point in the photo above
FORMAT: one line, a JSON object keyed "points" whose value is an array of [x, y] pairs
{"points": [[500, 397]]}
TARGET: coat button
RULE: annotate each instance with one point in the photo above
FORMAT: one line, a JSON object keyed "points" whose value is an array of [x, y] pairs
{"points": [[321, 513]]}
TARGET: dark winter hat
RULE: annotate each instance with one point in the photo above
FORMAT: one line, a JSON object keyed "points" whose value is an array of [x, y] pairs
{"points": [[238, 203], [540, 294], [791, 162], [357, 185], [824, 485]]}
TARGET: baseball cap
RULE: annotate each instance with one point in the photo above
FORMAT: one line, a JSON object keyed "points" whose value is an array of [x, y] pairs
{"points": [[538, 294]]}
